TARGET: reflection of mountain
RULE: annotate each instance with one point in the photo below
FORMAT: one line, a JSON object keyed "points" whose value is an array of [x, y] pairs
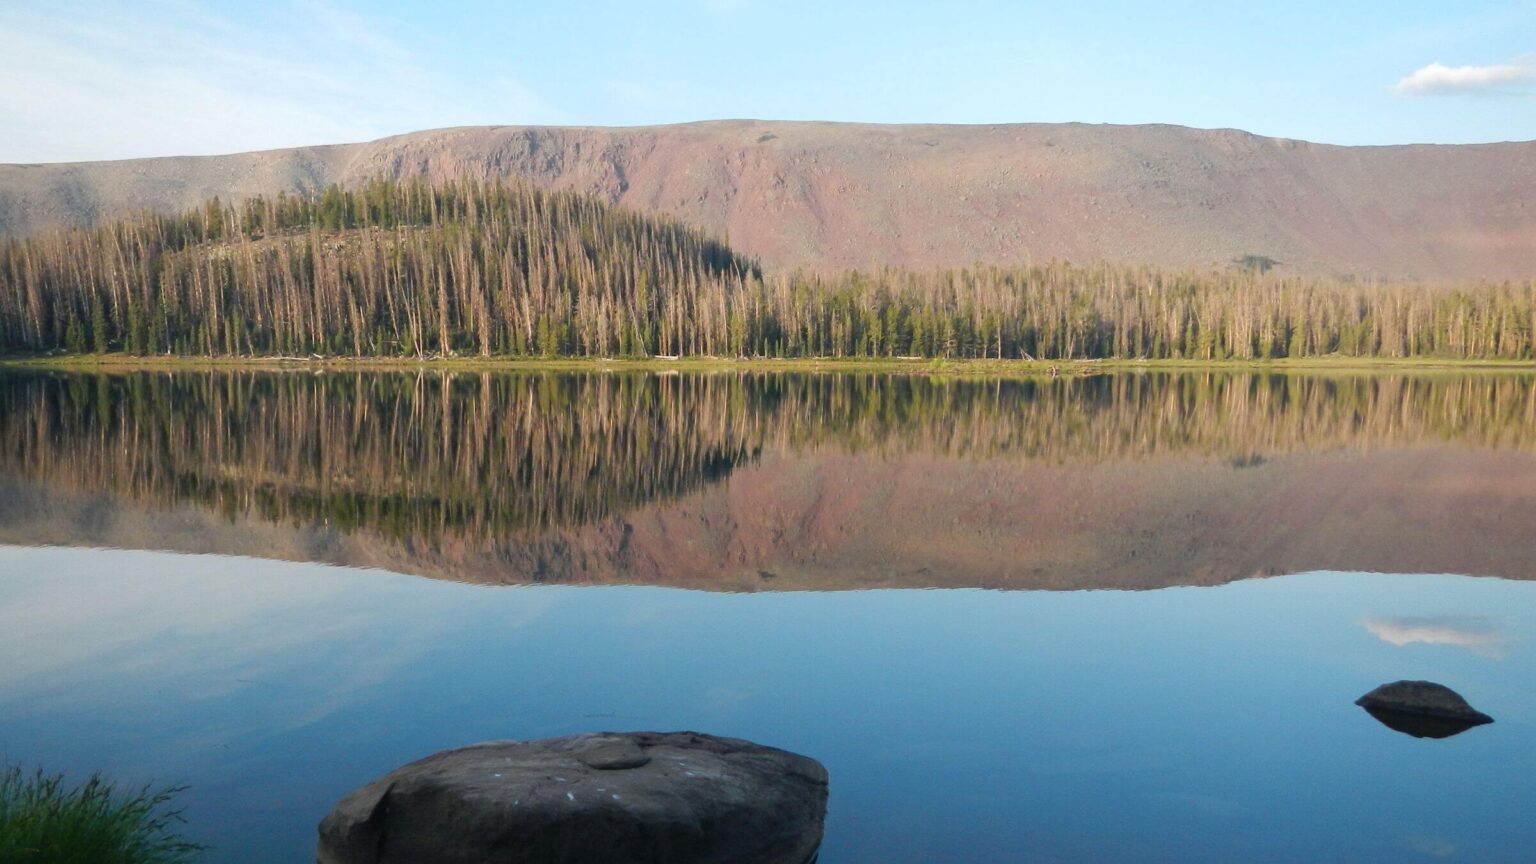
{"points": [[834, 481]]}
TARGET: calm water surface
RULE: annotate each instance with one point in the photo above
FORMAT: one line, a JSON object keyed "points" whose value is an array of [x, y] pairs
{"points": [[525, 556]]}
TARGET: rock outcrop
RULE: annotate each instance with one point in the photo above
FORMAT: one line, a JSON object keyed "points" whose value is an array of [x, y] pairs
{"points": [[605, 798], [1422, 709]]}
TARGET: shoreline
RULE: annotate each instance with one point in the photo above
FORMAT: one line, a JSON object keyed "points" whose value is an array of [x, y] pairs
{"points": [[960, 368]]}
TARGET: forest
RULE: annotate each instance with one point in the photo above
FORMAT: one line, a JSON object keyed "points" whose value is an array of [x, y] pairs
{"points": [[477, 268]]}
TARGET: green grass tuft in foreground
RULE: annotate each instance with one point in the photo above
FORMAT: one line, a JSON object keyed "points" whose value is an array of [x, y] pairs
{"points": [[44, 821]]}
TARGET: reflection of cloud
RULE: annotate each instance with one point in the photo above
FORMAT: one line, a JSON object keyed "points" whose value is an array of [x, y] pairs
{"points": [[208, 657], [1477, 635], [83, 627]]}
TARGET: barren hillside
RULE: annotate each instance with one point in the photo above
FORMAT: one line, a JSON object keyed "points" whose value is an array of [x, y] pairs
{"points": [[830, 195]]}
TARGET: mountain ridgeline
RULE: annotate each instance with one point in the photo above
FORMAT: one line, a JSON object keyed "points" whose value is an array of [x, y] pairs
{"points": [[487, 268], [829, 197]]}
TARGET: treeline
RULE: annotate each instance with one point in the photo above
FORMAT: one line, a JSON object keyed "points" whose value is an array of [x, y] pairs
{"points": [[387, 269], [1063, 311], [423, 459], [479, 268]]}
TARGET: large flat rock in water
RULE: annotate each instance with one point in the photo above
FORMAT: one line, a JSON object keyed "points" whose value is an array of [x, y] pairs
{"points": [[604, 798]]}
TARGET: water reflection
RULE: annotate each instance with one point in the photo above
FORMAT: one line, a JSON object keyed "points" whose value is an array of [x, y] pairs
{"points": [[777, 481], [1420, 725], [404, 456], [1181, 725], [1478, 635]]}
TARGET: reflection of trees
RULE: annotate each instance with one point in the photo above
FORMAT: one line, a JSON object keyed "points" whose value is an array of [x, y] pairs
{"points": [[1235, 416], [418, 457], [406, 456]]}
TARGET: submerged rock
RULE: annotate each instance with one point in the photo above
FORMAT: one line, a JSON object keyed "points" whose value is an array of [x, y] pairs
{"points": [[614, 798], [1422, 709]]}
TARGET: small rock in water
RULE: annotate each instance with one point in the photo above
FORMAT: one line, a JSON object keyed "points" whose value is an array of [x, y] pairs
{"points": [[1422, 709], [680, 798]]}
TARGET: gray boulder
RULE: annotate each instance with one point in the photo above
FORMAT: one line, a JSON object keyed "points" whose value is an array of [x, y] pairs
{"points": [[604, 798], [1423, 709]]}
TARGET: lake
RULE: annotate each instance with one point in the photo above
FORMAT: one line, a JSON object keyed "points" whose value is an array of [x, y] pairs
{"points": [[1101, 618]]}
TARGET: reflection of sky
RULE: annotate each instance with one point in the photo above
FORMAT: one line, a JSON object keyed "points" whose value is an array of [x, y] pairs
{"points": [[1183, 724], [1478, 635]]}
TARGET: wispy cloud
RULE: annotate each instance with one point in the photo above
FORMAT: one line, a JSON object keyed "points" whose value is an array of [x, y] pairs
{"points": [[1477, 635], [1517, 77], [181, 77]]}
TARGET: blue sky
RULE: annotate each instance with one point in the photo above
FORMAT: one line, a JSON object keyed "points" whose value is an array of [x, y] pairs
{"points": [[86, 80]]}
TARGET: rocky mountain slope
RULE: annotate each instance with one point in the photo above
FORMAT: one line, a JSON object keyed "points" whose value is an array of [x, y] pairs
{"points": [[832, 195]]}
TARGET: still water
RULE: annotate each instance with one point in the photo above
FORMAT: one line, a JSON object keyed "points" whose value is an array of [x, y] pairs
{"points": [[391, 564]]}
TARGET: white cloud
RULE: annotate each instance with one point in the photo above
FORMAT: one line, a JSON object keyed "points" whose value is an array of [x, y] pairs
{"points": [[1437, 79], [178, 77]]}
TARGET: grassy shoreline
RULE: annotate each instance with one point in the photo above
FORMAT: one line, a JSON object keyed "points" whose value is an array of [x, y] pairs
{"points": [[45, 819], [954, 367]]}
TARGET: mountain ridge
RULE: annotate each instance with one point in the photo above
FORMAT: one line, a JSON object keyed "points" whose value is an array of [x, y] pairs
{"points": [[822, 195]]}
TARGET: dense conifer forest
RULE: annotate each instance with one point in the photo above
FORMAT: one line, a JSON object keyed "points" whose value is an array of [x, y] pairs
{"points": [[497, 269]]}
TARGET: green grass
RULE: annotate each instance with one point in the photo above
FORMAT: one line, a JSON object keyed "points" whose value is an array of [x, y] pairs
{"points": [[45, 821]]}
